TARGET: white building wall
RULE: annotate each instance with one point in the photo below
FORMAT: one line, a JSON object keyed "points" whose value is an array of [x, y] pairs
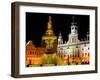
{"points": [[73, 49]]}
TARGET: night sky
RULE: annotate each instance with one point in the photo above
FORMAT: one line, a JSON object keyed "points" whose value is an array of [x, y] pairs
{"points": [[36, 25]]}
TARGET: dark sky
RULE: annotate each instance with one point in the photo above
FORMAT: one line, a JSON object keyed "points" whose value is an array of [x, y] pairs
{"points": [[36, 24]]}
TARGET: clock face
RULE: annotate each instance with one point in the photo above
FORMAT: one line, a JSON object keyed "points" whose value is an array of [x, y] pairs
{"points": [[74, 29]]}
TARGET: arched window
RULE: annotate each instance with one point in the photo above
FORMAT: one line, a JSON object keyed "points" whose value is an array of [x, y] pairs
{"points": [[30, 52], [78, 55], [76, 46], [72, 39], [82, 55], [88, 54]]}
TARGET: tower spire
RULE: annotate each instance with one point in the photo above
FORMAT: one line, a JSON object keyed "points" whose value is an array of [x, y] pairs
{"points": [[49, 30], [73, 36], [49, 40], [73, 26], [73, 20]]}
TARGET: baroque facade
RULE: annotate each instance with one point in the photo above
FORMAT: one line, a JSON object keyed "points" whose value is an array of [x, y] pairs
{"points": [[74, 50]]}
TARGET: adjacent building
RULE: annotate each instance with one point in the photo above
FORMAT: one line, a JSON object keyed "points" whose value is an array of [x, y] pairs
{"points": [[33, 54]]}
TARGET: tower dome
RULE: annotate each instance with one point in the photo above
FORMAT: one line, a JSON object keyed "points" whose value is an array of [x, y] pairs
{"points": [[60, 39]]}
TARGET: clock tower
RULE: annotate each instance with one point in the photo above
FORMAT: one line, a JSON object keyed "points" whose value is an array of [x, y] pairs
{"points": [[73, 36]]}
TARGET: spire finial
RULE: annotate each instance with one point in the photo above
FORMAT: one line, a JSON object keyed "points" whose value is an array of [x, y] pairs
{"points": [[49, 30], [50, 19], [49, 23]]}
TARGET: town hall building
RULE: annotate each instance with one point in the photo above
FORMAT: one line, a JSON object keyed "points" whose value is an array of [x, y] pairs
{"points": [[74, 50]]}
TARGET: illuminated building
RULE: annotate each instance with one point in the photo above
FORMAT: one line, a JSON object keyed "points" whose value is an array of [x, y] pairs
{"points": [[74, 50], [33, 54], [55, 51]]}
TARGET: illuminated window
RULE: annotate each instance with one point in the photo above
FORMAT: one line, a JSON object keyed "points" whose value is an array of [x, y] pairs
{"points": [[82, 55], [88, 54]]}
